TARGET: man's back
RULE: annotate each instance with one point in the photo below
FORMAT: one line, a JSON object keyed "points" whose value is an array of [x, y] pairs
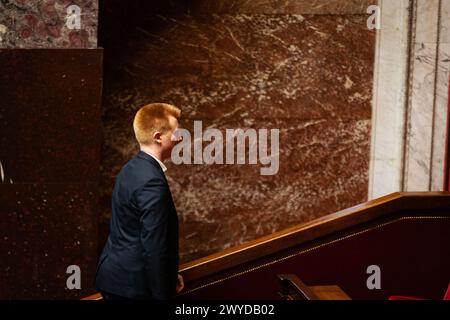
{"points": [[140, 258]]}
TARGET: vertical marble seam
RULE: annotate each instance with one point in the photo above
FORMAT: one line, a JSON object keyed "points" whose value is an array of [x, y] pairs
{"points": [[374, 108], [446, 185], [436, 75], [408, 90]]}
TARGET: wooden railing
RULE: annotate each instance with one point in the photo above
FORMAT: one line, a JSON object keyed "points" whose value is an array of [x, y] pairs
{"points": [[351, 217]]}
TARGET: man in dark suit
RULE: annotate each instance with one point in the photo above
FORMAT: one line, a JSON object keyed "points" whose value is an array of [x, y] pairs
{"points": [[140, 258]]}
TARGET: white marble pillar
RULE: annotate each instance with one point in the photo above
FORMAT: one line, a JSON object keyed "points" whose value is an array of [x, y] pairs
{"points": [[389, 99], [427, 107], [410, 97], [442, 99]]}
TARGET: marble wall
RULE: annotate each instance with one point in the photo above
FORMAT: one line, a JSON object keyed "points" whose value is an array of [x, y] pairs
{"points": [[428, 100], [48, 24], [303, 67], [410, 107], [279, 6]]}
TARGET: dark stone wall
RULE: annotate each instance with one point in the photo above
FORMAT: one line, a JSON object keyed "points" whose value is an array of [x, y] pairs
{"points": [[50, 141]]}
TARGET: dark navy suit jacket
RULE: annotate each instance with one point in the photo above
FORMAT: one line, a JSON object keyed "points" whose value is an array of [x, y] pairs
{"points": [[140, 258]]}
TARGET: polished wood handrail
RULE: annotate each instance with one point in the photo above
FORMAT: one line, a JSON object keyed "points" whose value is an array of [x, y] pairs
{"points": [[95, 296], [302, 233], [296, 235]]}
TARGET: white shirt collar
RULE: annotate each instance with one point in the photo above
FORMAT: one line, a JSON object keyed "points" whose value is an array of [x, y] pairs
{"points": [[163, 167]]}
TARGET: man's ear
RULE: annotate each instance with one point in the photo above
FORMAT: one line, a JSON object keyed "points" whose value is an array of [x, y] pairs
{"points": [[157, 136]]}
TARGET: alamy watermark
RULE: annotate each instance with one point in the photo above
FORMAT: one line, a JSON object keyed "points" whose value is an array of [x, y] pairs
{"points": [[73, 18], [74, 280], [374, 280], [228, 148], [374, 21]]}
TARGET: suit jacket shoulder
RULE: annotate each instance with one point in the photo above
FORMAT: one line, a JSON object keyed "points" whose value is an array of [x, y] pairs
{"points": [[137, 173]]}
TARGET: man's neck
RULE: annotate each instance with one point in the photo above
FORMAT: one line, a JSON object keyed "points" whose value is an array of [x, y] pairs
{"points": [[154, 151]]}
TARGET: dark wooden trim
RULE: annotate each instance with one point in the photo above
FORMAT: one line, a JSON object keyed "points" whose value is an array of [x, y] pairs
{"points": [[290, 282], [353, 216], [292, 288], [329, 293]]}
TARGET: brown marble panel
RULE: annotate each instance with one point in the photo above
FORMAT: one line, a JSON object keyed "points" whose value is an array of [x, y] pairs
{"points": [[282, 6], [139, 9], [282, 66], [46, 228], [308, 75], [50, 112], [323, 168], [43, 24]]}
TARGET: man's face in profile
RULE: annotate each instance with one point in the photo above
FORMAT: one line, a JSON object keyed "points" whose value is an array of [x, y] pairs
{"points": [[168, 139]]}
